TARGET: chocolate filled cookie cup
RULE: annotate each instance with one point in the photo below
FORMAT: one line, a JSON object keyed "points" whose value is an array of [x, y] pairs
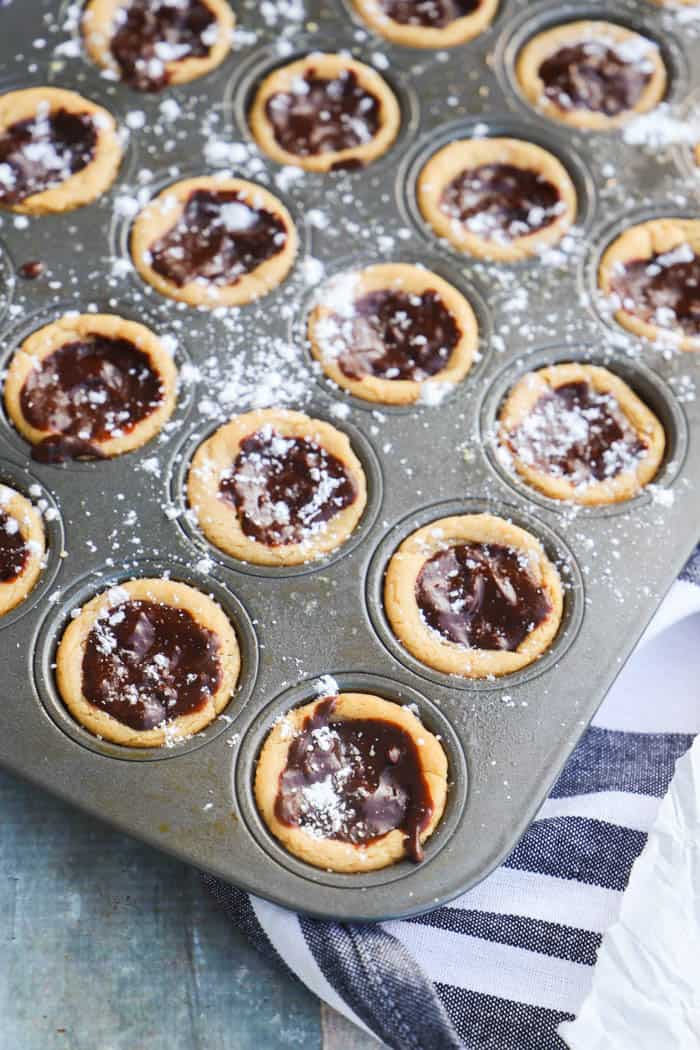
{"points": [[325, 112], [214, 241], [393, 334], [351, 783], [591, 74], [501, 199], [435, 24], [58, 150], [650, 275], [147, 663], [275, 487], [90, 386], [22, 548], [579, 433], [149, 45], [474, 596]]}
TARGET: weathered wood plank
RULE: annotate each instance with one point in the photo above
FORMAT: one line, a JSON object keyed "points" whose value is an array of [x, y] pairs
{"points": [[109, 945], [340, 1034]]}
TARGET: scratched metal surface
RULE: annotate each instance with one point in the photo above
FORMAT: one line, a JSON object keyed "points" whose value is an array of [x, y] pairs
{"points": [[123, 517]]}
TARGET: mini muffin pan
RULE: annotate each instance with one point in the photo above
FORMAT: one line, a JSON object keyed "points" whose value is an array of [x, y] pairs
{"points": [[506, 740]]}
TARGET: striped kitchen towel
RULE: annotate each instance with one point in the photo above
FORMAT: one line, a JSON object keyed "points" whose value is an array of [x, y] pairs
{"points": [[502, 966]]}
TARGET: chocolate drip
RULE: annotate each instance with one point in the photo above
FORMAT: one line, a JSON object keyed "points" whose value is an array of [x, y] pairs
{"points": [[285, 489], [349, 164], [153, 33], [42, 152], [434, 14], [577, 433], [322, 115], [30, 270], [90, 390], [481, 595], [59, 449], [146, 664], [663, 290], [354, 781], [218, 238], [393, 335], [595, 76], [14, 552], [498, 201]]}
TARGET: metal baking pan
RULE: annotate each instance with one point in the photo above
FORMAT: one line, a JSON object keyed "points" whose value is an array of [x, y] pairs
{"points": [[506, 740]]}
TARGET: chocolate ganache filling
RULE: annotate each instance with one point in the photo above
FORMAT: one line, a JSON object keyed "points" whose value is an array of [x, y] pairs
{"points": [[663, 290], [501, 201], [14, 552], [481, 595], [597, 76], [153, 33], [40, 153], [433, 14], [285, 488], [320, 115], [575, 432], [146, 663], [392, 335], [219, 238], [354, 781], [90, 390]]}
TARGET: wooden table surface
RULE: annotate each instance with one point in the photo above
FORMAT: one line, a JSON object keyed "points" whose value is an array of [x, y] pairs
{"points": [[110, 945]]}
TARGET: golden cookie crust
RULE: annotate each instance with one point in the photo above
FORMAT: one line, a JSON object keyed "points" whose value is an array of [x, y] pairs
{"points": [[31, 528], [45, 341], [326, 66], [644, 241], [69, 662], [623, 486], [457, 32], [450, 161], [97, 27], [84, 186], [410, 279], [333, 854], [428, 645], [219, 520], [161, 214], [542, 46]]}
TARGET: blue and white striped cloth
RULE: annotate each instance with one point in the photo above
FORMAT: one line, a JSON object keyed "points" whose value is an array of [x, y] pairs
{"points": [[502, 966]]}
